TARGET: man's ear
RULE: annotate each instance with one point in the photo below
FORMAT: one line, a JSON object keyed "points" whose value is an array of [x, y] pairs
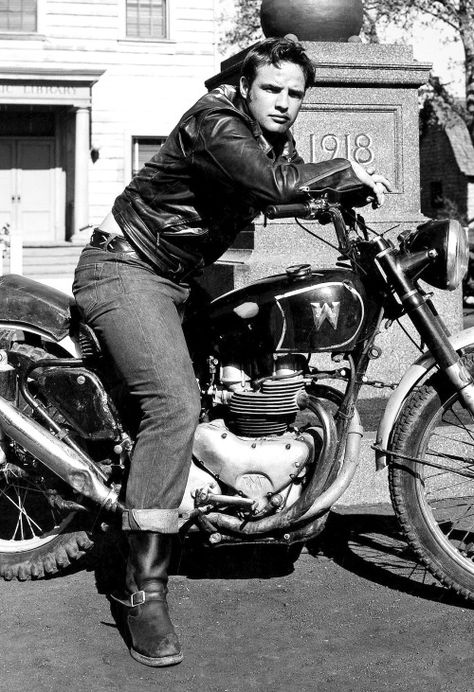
{"points": [[244, 87]]}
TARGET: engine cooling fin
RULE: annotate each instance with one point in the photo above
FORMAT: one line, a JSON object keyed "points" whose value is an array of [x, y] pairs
{"points": [[267, 412]]}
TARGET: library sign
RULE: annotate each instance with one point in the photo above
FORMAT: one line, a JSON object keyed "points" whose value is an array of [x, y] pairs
{"points": [[46, 93]]}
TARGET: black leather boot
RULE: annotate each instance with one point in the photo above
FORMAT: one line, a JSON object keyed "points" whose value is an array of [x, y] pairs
{"points": [[144, 610]]}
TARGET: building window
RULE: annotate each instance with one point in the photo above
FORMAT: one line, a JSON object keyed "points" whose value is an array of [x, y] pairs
{"points": [[18, 15], [146, 19], [143, 148]]}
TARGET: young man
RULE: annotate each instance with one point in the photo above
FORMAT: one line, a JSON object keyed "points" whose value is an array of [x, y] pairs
{"points": [[229, 157]]}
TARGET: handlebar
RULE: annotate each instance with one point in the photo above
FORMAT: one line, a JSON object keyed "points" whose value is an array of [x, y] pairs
{"points": [[314, 209], [319, 202], [285, 211]]}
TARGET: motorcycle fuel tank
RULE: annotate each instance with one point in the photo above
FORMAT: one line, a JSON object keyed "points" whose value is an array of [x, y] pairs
{"points": [[300, 311]]}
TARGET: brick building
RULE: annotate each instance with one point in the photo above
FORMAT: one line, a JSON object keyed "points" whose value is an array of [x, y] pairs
{"points": [[447, 169]]}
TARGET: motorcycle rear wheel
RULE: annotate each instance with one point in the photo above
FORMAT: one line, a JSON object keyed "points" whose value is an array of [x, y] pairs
{"points": [[435, 504], [36, 539]]}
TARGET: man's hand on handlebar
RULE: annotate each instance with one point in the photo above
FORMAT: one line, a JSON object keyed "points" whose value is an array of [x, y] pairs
{"points": [[378, 184]]}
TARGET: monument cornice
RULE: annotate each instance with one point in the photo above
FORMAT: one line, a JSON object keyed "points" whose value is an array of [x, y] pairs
{"points": [[370, 74], [337, 73], [358, 64]]}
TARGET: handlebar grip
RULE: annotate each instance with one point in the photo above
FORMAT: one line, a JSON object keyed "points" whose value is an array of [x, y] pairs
{"points": [[286, 211]]}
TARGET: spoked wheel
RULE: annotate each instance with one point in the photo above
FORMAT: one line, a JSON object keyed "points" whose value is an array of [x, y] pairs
{"points": [[434, 497], [37, 538], [30, 519]]}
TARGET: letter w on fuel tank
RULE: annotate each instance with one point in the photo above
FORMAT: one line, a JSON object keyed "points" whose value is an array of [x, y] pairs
{"points": [[326, 311]]}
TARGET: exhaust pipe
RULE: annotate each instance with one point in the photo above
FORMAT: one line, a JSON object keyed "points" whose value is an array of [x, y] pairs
{"points": [[73, 468], [319, 504]]}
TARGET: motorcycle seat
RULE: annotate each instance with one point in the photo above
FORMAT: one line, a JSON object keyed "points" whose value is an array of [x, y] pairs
{"points": [[26, 303]]}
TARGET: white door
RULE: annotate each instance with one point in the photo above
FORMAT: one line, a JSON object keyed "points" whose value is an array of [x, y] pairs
{"points": [[27, 189]]}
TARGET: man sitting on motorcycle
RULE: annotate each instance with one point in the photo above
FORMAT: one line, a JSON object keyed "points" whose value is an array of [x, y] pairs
{"points": [[229, 156]]}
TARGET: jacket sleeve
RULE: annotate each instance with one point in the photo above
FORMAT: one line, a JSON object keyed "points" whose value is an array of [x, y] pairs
{"points": [[225, 153]]}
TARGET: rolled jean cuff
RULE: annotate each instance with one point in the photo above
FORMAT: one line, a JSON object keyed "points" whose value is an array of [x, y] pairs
{"points": [[157, 520]]}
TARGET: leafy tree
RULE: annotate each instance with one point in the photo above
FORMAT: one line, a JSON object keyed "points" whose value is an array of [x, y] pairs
{"points": [[458, 15], [245, 28]]}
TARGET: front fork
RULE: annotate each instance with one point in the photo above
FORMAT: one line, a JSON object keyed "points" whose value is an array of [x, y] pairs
{"points": [[421, 312]]}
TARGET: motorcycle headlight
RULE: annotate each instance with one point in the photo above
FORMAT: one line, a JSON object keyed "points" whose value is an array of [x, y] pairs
{"points": [[449, 239]]}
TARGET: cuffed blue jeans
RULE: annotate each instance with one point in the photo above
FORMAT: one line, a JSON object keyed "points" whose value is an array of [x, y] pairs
{"points": [[137, 315]]}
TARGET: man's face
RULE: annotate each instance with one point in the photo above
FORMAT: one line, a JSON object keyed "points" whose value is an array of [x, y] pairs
{"points": [[275, 96]]}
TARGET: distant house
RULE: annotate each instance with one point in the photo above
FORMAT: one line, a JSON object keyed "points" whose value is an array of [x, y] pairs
{"points": [[88, 91], [447, 168]]}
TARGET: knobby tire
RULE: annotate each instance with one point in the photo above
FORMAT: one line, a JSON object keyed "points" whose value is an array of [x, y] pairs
{"points": [[435, 507], [35, 540]]}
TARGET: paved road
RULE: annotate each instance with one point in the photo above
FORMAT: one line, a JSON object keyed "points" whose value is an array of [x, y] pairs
{"points": [[359, 616]]}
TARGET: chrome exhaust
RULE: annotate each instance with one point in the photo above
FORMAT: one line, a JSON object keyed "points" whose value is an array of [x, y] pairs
{"points": [[75, 469]]}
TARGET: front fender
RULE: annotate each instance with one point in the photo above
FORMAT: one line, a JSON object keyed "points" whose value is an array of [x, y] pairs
{"points": [[415, 373]]}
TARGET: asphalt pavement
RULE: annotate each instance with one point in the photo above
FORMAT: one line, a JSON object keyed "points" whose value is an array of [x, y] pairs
{"points": [[354, 613]]}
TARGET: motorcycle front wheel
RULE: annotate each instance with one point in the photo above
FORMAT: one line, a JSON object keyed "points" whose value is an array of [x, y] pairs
{"points": [[432, 482]]}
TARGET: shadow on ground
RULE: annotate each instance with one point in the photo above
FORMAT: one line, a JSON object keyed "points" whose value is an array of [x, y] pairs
{"points": [[195, 560], [370, 545], [364, 542]]}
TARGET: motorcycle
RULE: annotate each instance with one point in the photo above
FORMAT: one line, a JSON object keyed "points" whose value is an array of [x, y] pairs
{"points": [[279, 435]]}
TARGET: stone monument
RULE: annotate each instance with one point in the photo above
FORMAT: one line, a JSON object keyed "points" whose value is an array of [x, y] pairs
{"points": [[362, 106]]}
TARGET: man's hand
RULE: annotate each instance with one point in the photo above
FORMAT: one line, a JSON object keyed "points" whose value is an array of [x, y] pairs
{"points": [[377, 183]]}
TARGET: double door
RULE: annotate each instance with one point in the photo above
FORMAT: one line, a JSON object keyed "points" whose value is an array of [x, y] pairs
{"points": [[28, 189]]}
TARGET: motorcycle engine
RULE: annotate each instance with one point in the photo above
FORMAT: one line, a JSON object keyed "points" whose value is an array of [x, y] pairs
{"points": [[249, 445], [269, 406]]}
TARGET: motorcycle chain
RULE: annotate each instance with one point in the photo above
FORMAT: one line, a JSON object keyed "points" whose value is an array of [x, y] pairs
{"points": [[341, 374], [379, 384]]}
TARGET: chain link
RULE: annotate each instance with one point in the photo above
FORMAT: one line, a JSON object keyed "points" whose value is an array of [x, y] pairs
{"points": [[379, 384], [341, 374]]}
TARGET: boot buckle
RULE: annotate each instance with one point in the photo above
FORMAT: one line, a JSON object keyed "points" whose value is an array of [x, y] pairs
{"points": [[137, 598]]}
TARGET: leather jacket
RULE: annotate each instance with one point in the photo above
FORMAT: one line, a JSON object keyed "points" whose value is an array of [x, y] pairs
{"points": [[213, 175]]}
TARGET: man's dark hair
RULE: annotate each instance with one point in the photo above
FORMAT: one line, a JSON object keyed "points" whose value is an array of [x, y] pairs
{"points": [[274, 51]]}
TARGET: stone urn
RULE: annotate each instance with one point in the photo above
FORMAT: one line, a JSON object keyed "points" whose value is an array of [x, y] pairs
{"points": [[312, 20]]}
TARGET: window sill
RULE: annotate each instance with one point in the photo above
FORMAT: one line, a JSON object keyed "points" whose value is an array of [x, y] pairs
{"points": [[21, 36], [157, 41]]}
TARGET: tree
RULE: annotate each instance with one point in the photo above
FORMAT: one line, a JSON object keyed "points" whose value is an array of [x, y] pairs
{"points": [[456, 14], [245, 26]]}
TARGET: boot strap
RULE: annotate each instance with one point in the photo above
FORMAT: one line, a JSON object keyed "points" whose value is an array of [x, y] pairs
{"points": [[140, 597]]}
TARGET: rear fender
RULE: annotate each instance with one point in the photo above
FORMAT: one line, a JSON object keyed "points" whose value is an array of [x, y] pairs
{"points": [[415, 373], [67, 344], [34, 307], [31, 307]]}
